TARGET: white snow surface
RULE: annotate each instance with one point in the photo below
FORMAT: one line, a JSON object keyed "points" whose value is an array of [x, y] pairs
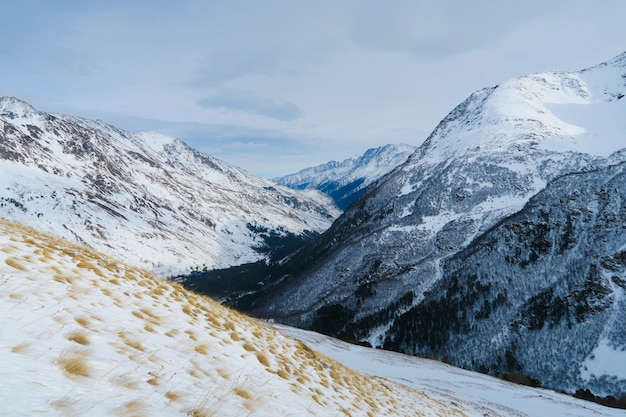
{"points": [[449, 384], [608, 359], [146, 198], [564, 111], [561, 120], [605, 359], [82, 334]]}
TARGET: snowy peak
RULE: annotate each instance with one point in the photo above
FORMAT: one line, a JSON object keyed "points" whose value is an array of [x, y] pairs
{"points": [[539, 111], [346, 181], [14, 108], [618, 62]]}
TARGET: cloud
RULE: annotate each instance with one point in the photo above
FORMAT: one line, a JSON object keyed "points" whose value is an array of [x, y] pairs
{"points": [[249, 102], [264, 151], [442, 28]]}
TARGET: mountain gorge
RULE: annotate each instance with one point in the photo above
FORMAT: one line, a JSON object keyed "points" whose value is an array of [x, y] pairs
{"points": [[497, 246], [346, 181], [145, 198]]}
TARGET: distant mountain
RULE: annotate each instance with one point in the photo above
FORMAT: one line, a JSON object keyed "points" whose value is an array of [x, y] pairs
{"points": [[498, 246], [144, 198], [346, 181], [83, 334]]}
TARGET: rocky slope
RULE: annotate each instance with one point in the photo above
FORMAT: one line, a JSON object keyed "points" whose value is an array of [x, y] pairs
{"points": [[346, 181], [145, 198], [497, 245]]}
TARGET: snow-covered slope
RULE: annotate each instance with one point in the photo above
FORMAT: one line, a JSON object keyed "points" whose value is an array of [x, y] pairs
{"points": [[82, 334], [448, 256], [346, 181], [145, 198], [450, 384]]}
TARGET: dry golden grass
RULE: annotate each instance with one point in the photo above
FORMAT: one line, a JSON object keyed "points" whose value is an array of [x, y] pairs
{"points": [[14, 263], [83, 321], [303, 379], [63, 278], [188, 310], [171, 333], [125, 381], [78, 292], [174, 396], [201, 349], [134, 408], [128, 341], [242, 392], [79, 337], [156, 359], [153, 381], [9, 249], [149, 316], [224, 373], [263, 359], [87, 264], [65, 406], [21, 348], [74, 363], [247, 346]]}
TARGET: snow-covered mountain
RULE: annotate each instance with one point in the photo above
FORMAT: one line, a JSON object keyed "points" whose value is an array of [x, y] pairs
{"points": [[346, 181], [145, 198], [83, 334], [498, 246]]}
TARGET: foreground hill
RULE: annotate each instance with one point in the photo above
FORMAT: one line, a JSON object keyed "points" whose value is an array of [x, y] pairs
{"points": [[146, 198], [498, 245], [347, 180], [82, 334]]}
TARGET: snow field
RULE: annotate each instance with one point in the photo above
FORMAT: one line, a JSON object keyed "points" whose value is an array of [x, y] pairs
{"points": [[81, 334]]}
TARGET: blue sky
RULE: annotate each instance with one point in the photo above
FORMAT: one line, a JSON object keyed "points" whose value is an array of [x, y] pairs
{"points": [[277, 86]]}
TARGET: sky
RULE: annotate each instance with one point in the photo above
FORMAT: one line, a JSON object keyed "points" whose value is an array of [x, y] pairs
{"points": [[275, 86]]}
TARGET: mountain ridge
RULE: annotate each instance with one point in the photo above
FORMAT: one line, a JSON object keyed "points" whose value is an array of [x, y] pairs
{"points": [[385, 261], [148, 198], [346, 181]]}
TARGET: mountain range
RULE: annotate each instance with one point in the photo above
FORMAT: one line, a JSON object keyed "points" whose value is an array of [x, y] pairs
{"points": [[84, 334], [497, 246], [346, 181], [145, 198]]}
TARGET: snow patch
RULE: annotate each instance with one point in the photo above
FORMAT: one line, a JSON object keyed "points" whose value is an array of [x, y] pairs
{"points": [[606, 359]]}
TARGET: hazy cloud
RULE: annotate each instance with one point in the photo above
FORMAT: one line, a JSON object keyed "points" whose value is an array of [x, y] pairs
{"points": [[249, 102], [441, 28], [280, 85]]}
